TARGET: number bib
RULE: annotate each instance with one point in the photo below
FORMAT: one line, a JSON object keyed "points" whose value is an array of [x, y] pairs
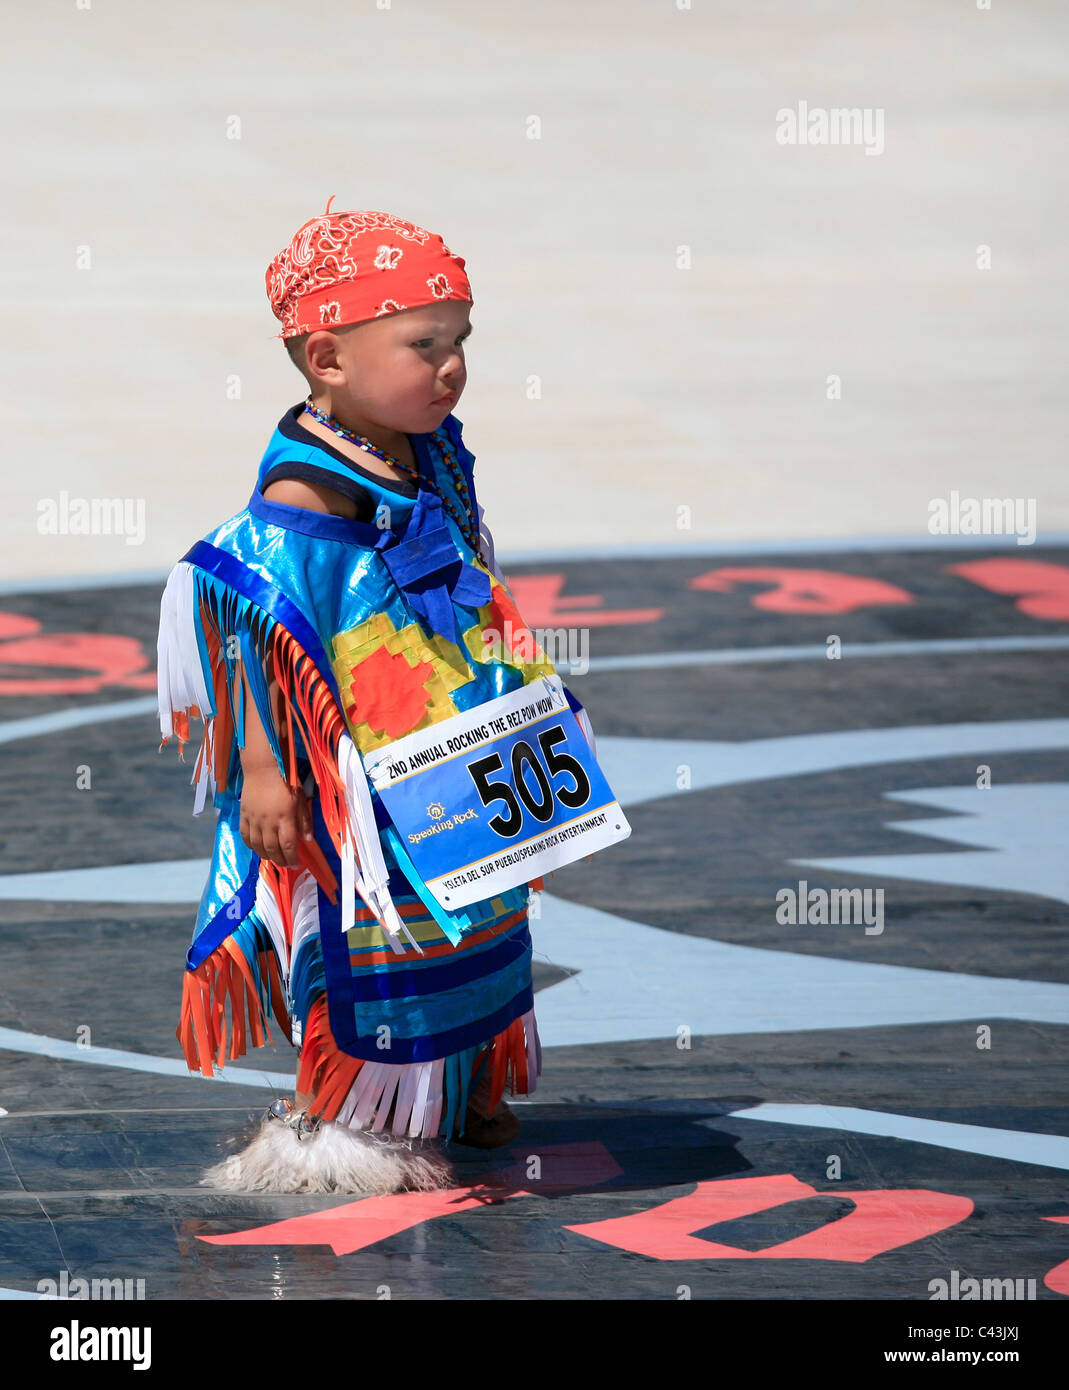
{"points": [[498, 795]]}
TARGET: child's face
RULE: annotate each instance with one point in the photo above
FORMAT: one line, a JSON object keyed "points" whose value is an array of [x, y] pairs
{"points": [[395, 372]]}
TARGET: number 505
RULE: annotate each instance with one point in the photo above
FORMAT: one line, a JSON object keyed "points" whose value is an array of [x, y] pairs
{"points": [[540, 805]]}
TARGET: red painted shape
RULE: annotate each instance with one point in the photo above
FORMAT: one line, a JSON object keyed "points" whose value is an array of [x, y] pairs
{"points": [[882, 1220], [539, 599], [359, 1224], [111, 660], [804, 591], [1058, 1277], [356, 1225], [15, 625], [1042, 586]]}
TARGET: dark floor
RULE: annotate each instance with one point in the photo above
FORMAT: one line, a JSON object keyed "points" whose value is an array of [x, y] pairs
{"points": [[100, 1159]]}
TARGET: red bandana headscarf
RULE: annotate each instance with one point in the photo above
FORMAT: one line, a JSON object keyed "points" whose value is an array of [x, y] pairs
{"points": [[346, 267]]}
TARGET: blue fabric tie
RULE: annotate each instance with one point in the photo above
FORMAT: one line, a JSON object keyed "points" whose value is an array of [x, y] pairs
{"points": [[426, 566]]}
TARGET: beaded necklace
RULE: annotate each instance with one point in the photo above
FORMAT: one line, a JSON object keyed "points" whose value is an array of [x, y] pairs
{"points": [[468, 526]]}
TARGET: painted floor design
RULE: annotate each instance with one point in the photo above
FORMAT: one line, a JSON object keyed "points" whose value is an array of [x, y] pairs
{"points": [[741, 1097]]}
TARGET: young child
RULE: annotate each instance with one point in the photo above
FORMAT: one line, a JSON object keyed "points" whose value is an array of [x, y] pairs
{"points": [[356, 599]]}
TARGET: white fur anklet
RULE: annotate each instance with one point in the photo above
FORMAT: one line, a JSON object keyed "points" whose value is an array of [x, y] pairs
{"points": [[296, 1155]]}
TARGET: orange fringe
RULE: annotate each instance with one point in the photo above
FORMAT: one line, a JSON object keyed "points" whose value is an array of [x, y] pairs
{"points": [[226, 976], [327, 1073], [508, 1063], [303, 690], [302, 687]]}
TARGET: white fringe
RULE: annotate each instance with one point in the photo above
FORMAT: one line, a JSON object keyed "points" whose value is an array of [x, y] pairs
{"points": [[333, 1159], [404, 1115], [267, 910], [180, 677], [305, 925], [305, 912], [419, 1088], [363, 864]]}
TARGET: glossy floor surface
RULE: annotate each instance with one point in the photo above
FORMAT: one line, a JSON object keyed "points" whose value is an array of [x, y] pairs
{"points": [[733, 1104]]}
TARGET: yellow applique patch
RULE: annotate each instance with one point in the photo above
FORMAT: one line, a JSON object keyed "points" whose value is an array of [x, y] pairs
{"points": [[394, 681], [502, 636]]}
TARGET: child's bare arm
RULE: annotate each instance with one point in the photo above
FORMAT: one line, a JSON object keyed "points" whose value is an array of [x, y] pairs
{"points": [[273, 814]]}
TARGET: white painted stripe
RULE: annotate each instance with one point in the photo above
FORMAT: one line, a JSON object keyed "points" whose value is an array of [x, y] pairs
{"points": [[161, 881], [1016, 836], [1019, 1146], [742, 656], [1052, 1150], [13, 1040], [653, 980], [74, 718], [72, 584], [646, 769]]}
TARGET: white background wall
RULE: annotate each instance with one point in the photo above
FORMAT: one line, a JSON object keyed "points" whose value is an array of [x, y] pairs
{"points": [[661, 387]]}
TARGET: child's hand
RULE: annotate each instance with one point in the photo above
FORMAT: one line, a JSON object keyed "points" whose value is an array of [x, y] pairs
{"points": [[274, 816]]}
